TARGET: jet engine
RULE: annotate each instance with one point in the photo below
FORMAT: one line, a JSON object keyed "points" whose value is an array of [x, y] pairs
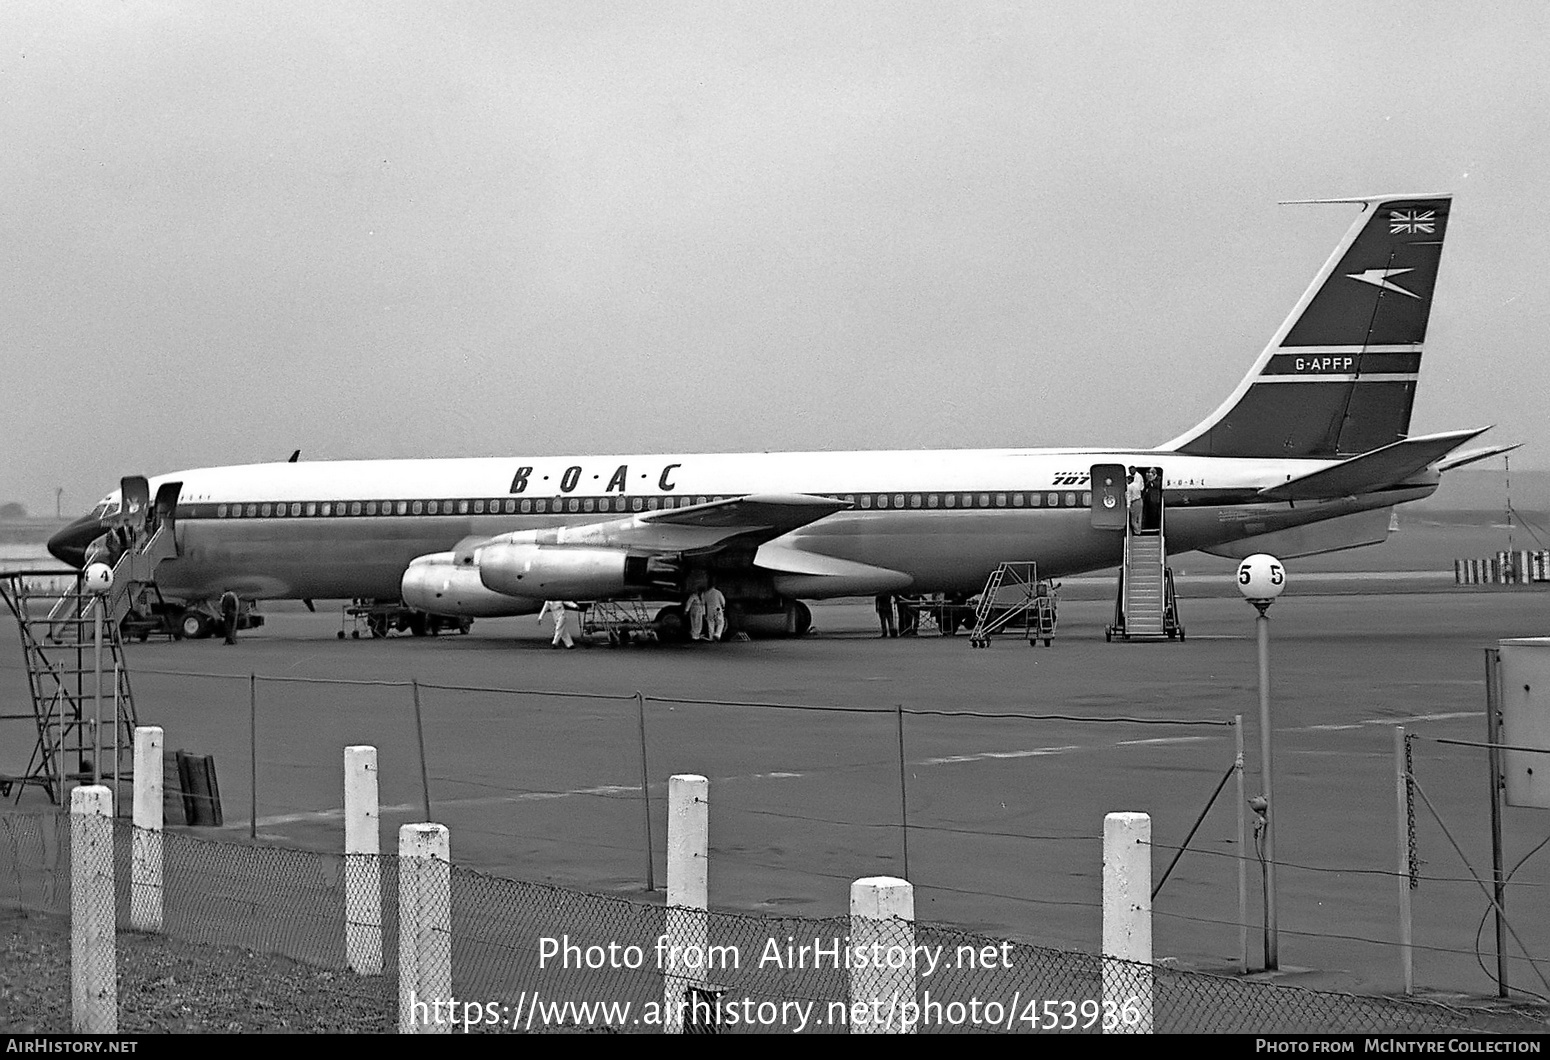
{"points": [[439, 584], [562, 573]]}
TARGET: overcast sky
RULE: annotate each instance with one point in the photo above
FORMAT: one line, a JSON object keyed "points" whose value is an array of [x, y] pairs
{"points": [[235, 229]]}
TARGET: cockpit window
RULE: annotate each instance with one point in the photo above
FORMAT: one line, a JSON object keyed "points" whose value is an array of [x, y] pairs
{"points": [[105, 507]]}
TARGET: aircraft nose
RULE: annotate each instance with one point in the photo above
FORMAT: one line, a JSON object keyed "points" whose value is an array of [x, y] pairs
{"points": [[69, 544]]}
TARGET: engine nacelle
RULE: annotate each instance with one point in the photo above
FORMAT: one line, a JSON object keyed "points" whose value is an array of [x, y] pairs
{"points": [[537, 572], [439, 585]]}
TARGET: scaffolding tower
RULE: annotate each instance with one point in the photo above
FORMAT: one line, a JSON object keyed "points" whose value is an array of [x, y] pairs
{"points": [[83, 731]]}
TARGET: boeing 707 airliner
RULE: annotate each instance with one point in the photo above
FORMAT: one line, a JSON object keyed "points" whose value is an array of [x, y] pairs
{"points": [[1309, 453]]}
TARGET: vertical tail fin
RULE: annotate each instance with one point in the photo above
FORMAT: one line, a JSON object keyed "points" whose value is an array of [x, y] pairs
{"points": [[1339, 376]]}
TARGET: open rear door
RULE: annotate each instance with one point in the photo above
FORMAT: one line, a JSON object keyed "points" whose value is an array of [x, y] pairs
{"points": [[165, 508], [1108, 506]]}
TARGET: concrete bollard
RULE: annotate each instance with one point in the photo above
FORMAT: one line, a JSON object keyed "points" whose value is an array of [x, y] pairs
{"points": [[883, 997], [362, 868], [424, 930], [686, 938], [93, 963], [1127, 923], [145, 864]]}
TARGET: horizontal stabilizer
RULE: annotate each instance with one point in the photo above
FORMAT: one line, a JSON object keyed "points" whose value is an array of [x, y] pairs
{"points": [[1476, 454], [1388, 466], [1332, 535]]}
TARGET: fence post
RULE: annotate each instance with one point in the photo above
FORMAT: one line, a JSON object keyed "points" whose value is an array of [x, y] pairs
{"points": [[688, 897], [362, 870], [1127, 923], [424, 929], [93, 964], [145, 873], [882, 995], [1404, 822]]}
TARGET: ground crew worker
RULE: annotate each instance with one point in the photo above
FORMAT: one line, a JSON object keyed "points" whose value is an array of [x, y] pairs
{"points": [[716, 612], [885, 615], [694, 607], [230, 607], [557, 609], [1133, 500]]}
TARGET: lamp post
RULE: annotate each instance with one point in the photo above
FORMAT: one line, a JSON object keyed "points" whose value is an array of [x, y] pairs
{"points": [[1261, 579], [99, 580]]}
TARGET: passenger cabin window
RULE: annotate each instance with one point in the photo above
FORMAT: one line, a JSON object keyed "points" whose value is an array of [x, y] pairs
{"points": [[1070, 500], [418, 507], [1017, 500], [540, 505], [432, 507], [1087, 500], [220, 512], [1035, 499], [266, 509], [634, 504], [882, 500], [914, 500], [951, 500], [866, 500], [312, 509], [587, 504], [573, 504], [296, 508], [462, 507], [479, 507], [931, 499], [1000, 500], [403, 507], [651, 504], [511, 506], [527, 505]]}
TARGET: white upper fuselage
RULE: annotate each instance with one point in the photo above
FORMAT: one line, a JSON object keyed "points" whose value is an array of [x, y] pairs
{"points": [[942, 517]]}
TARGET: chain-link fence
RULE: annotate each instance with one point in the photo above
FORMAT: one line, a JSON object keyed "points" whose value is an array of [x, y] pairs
{"points": [[526, 956]]}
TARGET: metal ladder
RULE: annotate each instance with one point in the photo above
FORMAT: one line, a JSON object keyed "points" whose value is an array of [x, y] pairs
{"points": [[1033, 604], [59, 651]]}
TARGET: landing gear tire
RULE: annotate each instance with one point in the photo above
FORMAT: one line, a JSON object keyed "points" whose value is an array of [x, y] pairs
{"points": [[671, 624], [194, 625], [340, 634]]}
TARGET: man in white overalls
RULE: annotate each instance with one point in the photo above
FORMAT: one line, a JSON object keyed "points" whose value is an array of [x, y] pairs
{"points": [[556, 608], [716, 612], [694, 607]]}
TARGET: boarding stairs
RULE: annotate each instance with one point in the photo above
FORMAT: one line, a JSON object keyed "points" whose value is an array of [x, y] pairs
{"points": [[81, 731], [133, 573], [1013, 592], [1146, 607]]}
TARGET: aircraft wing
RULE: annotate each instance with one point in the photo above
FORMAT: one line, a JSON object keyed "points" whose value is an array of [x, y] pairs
{"points": [[746, 521], [1388, 466]]}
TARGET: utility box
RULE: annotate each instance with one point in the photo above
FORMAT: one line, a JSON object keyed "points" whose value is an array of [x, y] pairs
{"points": [[1525, 675]]}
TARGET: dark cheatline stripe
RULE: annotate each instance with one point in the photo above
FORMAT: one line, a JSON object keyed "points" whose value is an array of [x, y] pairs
{"points": [[1324, 419], [1342, 363]]}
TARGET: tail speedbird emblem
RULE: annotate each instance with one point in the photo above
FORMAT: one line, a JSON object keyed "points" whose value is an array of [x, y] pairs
{"points": [[1380, 278]]}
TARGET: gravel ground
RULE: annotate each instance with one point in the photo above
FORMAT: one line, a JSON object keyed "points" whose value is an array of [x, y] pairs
{"points": [[166, 985]]}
